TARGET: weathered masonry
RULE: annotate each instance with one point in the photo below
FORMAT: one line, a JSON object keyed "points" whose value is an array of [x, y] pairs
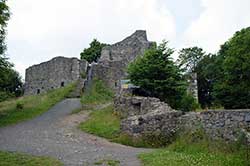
{"points": [[145, 115], [56, 73], [111, 67]]}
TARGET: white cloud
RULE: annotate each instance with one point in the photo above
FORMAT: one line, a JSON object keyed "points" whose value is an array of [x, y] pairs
{"points": [[217, 23], [42, 29]]}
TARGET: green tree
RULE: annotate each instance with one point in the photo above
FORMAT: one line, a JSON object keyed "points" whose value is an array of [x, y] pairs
{"points": [[157, 73], [189, 58], [10, 80], [4, 17], [207, 70], [92, 53], [232, 86]]}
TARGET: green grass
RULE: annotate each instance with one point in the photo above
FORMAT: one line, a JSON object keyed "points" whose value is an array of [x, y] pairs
{"points": [[108, 162], [103, 123], [27, 107], [194, 149], [106, 123], [98, 94], [18, 159]]}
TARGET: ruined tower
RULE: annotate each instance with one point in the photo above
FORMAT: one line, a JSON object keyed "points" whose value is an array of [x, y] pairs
{"points": [[111, 67]]}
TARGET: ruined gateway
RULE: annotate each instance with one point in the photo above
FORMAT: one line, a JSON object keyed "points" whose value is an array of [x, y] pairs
{"points": [[61, 71]]}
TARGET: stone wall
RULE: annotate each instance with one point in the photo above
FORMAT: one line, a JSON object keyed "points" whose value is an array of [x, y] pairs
{"points": [[111, 67], [56, 73], [219, 124], [128, 106], [226, 124]]}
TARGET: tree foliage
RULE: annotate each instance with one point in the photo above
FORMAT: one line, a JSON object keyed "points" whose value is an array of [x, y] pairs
{"points": [[232, 86], [157, 73], [195, 60], [4, 17], [93, 53], [189, 58], [206, 75], [10, 81]]}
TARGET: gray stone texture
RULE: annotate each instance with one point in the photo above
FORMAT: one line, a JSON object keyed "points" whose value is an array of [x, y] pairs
{"points": [[127, 106], [58, 72], [111, 67], [219, 124]]}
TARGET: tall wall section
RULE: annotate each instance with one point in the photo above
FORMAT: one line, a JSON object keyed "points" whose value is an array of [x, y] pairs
{"points": [[56, 73], [111, 67]]}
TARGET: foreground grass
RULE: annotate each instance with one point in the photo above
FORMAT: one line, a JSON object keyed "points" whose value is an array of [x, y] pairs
{"points": [[17, 159], [196, 149], [27, 107]]}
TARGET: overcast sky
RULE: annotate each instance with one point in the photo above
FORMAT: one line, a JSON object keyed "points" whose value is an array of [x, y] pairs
{"points": [[42, 29]]}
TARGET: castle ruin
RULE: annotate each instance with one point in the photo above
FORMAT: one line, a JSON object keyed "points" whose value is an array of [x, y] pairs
{"points": [[111, 67], [56, 73]]}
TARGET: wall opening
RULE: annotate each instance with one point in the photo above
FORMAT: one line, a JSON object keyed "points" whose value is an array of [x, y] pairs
{"points": [[38, 91], [137, 106], [62, 84]]}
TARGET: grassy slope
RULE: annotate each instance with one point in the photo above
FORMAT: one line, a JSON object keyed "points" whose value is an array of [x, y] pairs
{"points": [[32, 105], [102, 123], [98, 94], [105, 122], [17, 159], [189, 150]]}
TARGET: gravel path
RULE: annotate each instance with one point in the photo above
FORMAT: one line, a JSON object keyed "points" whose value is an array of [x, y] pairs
{"points": [[55, 134]]}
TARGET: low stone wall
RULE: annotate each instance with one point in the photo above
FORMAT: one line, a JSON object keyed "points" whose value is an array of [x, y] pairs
{"points": [[225, 124], [128, 106], [153, 123], [220, 124]]}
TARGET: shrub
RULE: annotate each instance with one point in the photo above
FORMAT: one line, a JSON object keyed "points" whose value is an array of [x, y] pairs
{"points": [[19, 106], [188, 103]]}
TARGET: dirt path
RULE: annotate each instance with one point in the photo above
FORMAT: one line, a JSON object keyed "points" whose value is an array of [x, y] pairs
{"points": [[55, 134]]}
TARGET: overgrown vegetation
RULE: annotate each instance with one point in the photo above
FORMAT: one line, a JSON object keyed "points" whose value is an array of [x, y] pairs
{"points": [[93, 53], [157, 73], [27, 107], [17, 159], [194, 148], [97, 94]]}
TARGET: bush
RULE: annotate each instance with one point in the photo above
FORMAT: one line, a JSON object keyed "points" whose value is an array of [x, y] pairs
{"points": [[189, 103], [19, 106], [4, 95]]}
